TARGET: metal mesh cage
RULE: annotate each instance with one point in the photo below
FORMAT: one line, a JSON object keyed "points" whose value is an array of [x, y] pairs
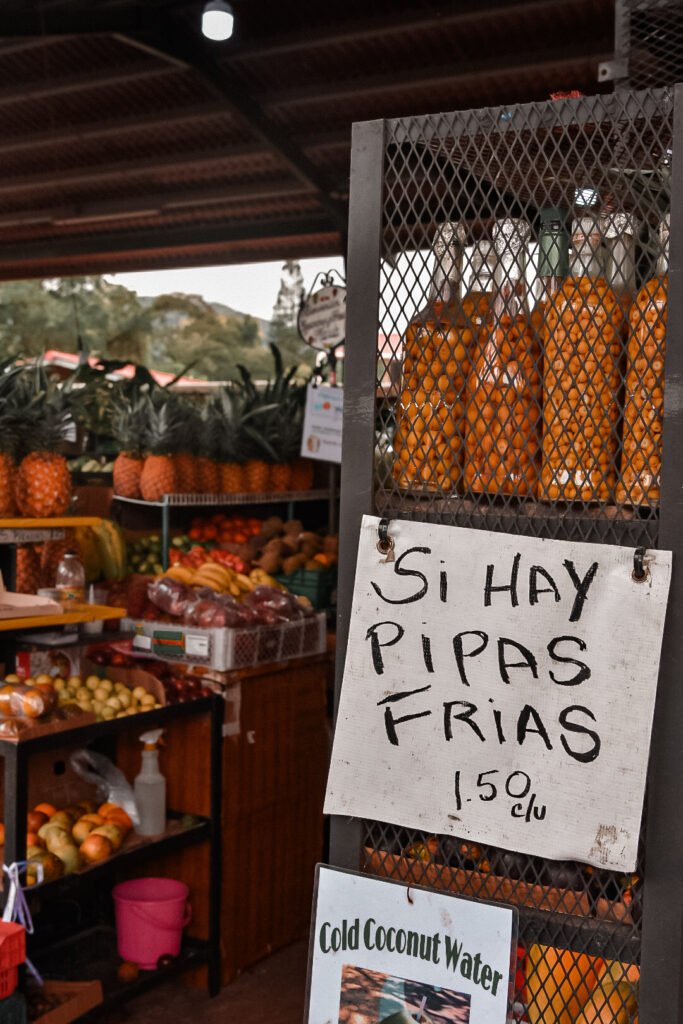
{"points": [[648, 44], [519, 388]]}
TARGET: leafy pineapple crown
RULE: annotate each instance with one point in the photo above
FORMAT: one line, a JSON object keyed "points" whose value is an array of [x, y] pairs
{"points": [[272, 420], [223, 424], [165, 425], [129, 422]]}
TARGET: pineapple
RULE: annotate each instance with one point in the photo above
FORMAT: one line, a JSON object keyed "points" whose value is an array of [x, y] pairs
{"points": [[208, 468], [186, 472], [51, 554], [266, 425], [129, 421], [226, 408], [302, 475], [43, 482], [27, 569], [281, 476], [11, 401], [158, 475], [275, 427], [184, 458]]}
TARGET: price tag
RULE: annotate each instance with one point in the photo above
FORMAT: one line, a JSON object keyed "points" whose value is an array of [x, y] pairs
{"points": [[142, 642], [197, 645]]}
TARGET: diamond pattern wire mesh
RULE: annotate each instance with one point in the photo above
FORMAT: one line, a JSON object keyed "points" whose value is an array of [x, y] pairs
{"points": [[649, 42], [527, 403]]}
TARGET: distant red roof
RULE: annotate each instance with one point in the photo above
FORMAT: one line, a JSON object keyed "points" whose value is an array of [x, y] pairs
{"points": [[69, 361]]}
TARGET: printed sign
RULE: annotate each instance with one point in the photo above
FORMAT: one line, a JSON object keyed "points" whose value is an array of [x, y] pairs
{"points": [[501, 689], [322, 433], [385, 954], [322, 318]]}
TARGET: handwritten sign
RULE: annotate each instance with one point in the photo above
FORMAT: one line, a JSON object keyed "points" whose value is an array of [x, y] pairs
{"points": [[378, 957], [322, 318], [321, 437], [501, 689]]}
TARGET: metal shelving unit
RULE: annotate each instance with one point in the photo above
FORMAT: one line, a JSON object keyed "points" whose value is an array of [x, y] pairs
{"points": [[409, 175], [288, 499], [84, 961]]}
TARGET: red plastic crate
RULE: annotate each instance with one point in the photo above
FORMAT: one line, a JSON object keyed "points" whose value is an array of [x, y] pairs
{"points": [[8, 982], [12, 945]]}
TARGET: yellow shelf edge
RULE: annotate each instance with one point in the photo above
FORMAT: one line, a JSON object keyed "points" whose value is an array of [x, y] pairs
{"points": [[89, 613], [45, 524]]}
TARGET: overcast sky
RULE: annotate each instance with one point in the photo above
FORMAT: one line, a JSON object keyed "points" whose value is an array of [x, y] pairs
{"points": [[249, 288]]}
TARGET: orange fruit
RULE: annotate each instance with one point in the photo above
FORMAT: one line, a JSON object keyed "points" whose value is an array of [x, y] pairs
{"points": [[94, 819], [103, 808], [96, 848], [34, 819], [45, 808], [117, 816]]}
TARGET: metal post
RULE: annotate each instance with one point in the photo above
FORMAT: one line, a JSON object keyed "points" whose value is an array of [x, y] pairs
{"points": [[215, 872], [16, 803], [662, 953], [165, 532], [360, 371]]}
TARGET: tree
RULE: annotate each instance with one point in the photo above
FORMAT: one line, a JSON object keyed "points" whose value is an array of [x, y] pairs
{"points": [[283, 330]]}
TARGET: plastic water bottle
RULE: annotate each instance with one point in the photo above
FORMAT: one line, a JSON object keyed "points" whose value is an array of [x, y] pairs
{"points": [[70, 580]]}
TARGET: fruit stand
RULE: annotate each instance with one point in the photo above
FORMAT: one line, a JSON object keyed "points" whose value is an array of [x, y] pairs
{"points": [[564, 424], [213, 600]]}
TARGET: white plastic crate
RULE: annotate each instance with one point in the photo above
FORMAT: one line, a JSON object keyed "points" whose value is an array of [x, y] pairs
{"points": [[224, 649]]}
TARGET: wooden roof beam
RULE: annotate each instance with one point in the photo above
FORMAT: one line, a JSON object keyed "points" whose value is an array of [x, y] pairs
{"points": [[381, 25], [153, 203], [177, 44], [160, 238], [47, 88], [124, 170], [456, 73]]}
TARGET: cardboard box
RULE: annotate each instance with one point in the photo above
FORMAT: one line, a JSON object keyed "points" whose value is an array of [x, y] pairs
{"points": [[76, 998], [225, 649]]}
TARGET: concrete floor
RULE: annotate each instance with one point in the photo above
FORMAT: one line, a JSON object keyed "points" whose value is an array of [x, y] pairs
{"points": [[272, 991]]}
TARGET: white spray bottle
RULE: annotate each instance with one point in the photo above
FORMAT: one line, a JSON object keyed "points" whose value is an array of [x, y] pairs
{"points": [[150, 787]]}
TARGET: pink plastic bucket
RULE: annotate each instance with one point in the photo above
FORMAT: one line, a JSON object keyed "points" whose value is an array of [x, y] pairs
{"points": [[150, 916]]}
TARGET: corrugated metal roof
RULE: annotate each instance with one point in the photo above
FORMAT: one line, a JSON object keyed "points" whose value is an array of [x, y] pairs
{"points": [[141, 145]]}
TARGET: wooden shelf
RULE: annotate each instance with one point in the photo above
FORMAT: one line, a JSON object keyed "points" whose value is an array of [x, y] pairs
{"points": [[47, 524], [87, 613]]}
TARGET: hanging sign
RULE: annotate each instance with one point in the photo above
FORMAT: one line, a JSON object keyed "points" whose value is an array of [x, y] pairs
{"points": [[322, 318], [385, 954], [322, 433], [501, 689]]}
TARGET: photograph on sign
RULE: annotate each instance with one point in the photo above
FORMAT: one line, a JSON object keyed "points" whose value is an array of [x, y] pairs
{"points": [[501, 689], [381, 953], [321, 437]]}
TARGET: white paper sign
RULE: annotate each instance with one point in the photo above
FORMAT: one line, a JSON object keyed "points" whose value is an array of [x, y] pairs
{"points": [[501, 689], [323, 417], [379, 957]]}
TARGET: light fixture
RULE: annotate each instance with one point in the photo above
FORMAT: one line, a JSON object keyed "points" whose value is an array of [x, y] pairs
{"points": [[218, 20]]}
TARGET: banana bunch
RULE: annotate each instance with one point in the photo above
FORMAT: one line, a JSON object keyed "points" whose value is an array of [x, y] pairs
{"points": [[221, 578], [89, 553], [111, 548]]}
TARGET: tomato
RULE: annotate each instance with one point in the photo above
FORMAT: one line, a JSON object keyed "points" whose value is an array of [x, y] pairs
{"points": [[195, 533], [210, 532], [241, 537], [175, 556]]}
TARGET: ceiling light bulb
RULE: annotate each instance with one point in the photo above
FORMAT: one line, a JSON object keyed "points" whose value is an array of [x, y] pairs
{"points": [[218, 20]]}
